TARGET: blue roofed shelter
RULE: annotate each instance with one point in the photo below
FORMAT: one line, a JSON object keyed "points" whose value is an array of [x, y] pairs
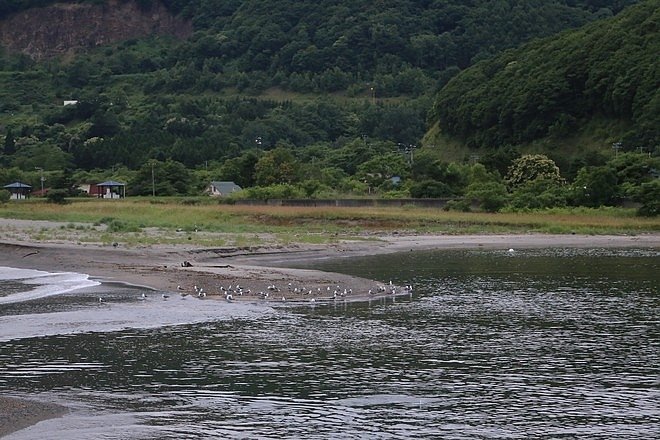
{"points": [[19, 190], [111, 190]]}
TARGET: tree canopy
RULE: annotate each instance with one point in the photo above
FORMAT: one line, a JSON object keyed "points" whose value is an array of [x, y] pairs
{"points": [[552, 86]]}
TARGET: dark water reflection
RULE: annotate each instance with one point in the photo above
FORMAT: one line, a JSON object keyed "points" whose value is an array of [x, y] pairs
{"points": [[533, 344]]}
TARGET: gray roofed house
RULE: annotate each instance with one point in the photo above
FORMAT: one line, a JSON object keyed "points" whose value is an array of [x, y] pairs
{"points": [[222, 189]]}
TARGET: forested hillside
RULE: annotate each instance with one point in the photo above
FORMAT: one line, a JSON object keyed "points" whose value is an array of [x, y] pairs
{"points": [[396, 47], [327, 97], [553, 87], [164, 99]]}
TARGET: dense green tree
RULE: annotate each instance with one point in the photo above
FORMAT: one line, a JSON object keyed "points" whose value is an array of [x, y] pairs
{"points": [[167, 178], [275, 191], [356, 152], [276, 167], [331, 177], [35, 154], [499, 160], [436, 178], [381, 168], [104, 124], [430, 188], [241, 169], [539, 194], [649, 197], [486, 189], [9, 147], [634, 169], [11, 174], [530, 167], [595, 186], [5, 196], [588, 159]]}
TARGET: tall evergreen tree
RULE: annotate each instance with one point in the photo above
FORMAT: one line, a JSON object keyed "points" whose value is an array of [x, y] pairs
{"points": [[10, 143]]}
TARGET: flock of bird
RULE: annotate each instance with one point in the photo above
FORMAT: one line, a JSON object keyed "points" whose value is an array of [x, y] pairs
{"points": [[274, 292]]}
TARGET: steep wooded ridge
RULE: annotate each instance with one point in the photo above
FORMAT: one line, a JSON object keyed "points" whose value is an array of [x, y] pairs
{"points": [[312, 77], [64, 27], [307, 46], [552, 87]]}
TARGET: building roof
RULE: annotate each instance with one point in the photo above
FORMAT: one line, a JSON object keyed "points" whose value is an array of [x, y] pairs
{"points": [[110, 183], [225, 187], [17, 185]]}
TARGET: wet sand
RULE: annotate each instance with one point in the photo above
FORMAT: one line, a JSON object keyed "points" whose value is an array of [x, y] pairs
{"points": [[178, 269], [16, 414], [162, 268]]}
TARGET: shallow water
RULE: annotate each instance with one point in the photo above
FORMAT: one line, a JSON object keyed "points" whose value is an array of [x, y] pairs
{"points": [[492, 344]]}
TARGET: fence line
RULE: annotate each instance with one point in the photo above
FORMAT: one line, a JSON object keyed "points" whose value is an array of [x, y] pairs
{"points": [[352, 203]]}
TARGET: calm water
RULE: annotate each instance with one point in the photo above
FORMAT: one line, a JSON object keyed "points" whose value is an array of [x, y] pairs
{"points": [[492, 345]]}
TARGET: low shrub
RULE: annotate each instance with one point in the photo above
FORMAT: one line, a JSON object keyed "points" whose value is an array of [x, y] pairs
{"points": [[57, 196], [5, 196]]}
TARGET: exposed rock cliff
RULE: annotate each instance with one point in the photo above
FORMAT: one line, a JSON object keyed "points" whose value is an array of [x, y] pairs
{"points": [[64, 27]]}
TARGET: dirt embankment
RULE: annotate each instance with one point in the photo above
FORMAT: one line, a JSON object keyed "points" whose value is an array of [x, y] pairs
{"points": [[71, 27]]}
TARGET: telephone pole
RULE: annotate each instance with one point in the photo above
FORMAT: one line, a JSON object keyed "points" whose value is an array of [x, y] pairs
{"points": [[153, 181]]}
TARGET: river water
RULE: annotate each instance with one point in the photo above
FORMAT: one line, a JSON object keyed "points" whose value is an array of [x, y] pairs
{"points": [[540, 344]]}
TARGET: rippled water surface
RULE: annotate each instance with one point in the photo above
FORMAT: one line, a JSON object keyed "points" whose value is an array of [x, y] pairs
{"points": [[492, 344]]}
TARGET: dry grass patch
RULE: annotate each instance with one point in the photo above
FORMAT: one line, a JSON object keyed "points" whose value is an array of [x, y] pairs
{"points": [[301, 223]]}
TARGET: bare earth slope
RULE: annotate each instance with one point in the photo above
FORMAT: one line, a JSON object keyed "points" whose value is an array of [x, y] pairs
{"points": [[70, 27]]}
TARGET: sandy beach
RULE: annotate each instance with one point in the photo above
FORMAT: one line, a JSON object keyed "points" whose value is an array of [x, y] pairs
{"points": [[177, 269]]}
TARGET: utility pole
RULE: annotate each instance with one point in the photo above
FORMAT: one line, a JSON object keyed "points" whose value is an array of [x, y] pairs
{"points": [[153, 181], [412, 149], [42, 179]]}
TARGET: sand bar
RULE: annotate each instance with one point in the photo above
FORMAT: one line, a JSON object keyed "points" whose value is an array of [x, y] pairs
{"points": [[179, 268]]}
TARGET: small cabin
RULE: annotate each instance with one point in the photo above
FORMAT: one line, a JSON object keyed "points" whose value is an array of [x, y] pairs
{"points": [[88, 188], [222, 189], [19, 190]]}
